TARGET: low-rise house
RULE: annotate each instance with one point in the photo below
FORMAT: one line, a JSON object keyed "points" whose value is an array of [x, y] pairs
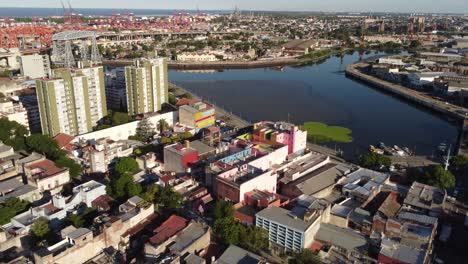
{"points": [[5, 150], [82, 244], [236, 255], [345, 245], [60, 206], [179, 157], [14, 111], [148, 161], [176, 238], [15, 188], [47, 176], [254, 202], [363, 183], [424, 199], [392, 252]]}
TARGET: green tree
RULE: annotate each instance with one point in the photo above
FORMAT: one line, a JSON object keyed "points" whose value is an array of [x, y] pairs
{"points": [[223, 209], [13, 134], [10, 208], [227, 229], [304, 257], [119, 118], [126, 165], [166, 140], [437, 176], [76, 220], [253, 238], [187, 95], [415, 44], [74, 168], [186, 135], [145, 129], [40, 228], [162, 125], [169, 199], [172, 99], [122, 187], [459, 162], [45, 145], [371, 160], [150, 193]]}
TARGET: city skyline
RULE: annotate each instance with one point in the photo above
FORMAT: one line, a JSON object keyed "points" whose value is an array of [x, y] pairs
{"points": [[423, 6]]}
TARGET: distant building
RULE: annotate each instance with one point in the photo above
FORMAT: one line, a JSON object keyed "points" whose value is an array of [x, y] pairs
{"points": [[441, 57], [179, 157], [73, 101], [236, 255], [196, 57], [147, 86], [282, 133], [449, 85], [83, 244], [197, 115], [47, 176], [292, 230], [35, 66], [14, 111], [461, 43], [425, 199], [116, 92]]}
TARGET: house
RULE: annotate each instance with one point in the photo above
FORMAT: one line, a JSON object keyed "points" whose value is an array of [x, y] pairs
{"points": [[236, 255], [424, 199], [299, 47], [363, 183], [82, 244], [179, 157], [47, 176], [392, 252]]}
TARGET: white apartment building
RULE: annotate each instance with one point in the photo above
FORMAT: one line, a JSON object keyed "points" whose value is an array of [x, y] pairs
{"points": [[14, 111], [35, 66], [195, 57]]}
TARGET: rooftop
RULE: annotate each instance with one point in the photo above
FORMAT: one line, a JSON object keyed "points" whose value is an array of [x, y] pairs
{"points": [[425, 197], [188, 236], [47, 169], [237, 255], [401, 252], [341, 237], [284, 217], [170, 227]]}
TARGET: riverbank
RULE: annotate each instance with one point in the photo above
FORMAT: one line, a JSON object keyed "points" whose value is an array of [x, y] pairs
{"points": [[353, 71], [224, 65]]}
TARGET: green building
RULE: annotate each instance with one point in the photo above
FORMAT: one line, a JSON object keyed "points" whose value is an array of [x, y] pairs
{"points": [[72, 101], [147, 86]]}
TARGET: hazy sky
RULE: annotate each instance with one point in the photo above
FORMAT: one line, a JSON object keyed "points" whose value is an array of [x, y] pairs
{"points": [[458, 6]]}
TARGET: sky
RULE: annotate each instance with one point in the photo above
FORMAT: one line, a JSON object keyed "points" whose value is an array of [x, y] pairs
{"points": [[431, 6]]}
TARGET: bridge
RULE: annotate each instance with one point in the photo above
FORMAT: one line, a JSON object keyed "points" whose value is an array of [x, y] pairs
{"points": [[62, 51]]}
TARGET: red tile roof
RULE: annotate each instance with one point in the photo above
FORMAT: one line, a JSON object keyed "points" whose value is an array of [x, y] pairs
{"points": [[183, 101], [167, 178], [63, 139], [47, 167], [170, 227], [102, 202]]}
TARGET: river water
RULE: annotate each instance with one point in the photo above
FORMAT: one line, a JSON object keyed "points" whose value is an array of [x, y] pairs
{"points": [[321, 92]]}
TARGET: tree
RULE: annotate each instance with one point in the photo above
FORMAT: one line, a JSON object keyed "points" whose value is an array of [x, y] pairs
{"points": [[74, 168], [119, 118], [172, 99], [168, 198], [187, 95], [162, 125], [122, 187], [145, 129], [150, 193], [253, 238], [222, 209], [45, 145], [76, 220], [371, 160], [13, 134], [10, 208], [40, 228], [186, 135], [227, 230], [415, 44], [304, 257], [126, 165], [437, 176], [459, 162], [166, 140]]}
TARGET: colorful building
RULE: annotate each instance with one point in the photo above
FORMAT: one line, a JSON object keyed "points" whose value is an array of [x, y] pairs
{"points": [[197, 115], [282, 133]]}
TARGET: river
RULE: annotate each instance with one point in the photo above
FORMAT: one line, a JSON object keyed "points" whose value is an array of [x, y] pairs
{"points": [[321, 92]]}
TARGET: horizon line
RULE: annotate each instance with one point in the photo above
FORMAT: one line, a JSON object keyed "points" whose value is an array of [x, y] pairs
{"points": [[250, 10]]}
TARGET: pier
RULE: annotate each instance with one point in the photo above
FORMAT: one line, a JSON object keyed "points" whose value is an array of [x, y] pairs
{"points": [[449, 110]]}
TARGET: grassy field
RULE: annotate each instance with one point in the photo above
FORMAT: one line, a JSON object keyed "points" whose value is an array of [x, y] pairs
{"points": [[321, 133]]}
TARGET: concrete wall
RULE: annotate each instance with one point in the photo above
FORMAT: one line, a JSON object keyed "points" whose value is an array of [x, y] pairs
{"points": [[124, 131], [265, 182], [55, 182]]}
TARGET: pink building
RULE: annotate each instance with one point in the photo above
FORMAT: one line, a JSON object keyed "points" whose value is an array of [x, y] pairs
{"points": [[282, 133]]}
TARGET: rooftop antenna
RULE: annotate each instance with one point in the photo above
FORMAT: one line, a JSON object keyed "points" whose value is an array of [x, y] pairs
{"points": [[447, 158]]}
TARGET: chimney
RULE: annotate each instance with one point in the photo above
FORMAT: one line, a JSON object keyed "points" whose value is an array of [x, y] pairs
{"points": [[187, 144]]}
